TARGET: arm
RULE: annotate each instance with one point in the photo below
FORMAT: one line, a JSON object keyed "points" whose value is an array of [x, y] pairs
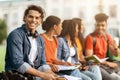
{"points": [[89, 46], [110, 64], [43, 75], [114, 48], [15, 50]]}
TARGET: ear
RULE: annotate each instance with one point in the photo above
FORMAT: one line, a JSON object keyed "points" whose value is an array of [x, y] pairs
{"points": [[24, 18], [55, 27]]}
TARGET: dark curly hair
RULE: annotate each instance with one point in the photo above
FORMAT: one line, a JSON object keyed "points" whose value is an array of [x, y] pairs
{"points": [[36, 8]]}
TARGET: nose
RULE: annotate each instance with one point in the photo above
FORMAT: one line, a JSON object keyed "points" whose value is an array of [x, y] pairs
{"points": [[33, 19]]}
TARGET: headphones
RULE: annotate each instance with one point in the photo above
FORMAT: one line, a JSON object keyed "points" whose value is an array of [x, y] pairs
{"points": [[33, 35]]}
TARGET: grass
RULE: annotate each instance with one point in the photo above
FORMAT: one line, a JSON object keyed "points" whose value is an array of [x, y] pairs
{"points": [[2, 57]]}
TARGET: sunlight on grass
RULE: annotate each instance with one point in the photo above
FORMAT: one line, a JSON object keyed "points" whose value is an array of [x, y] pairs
{"points": [[2, 57]]}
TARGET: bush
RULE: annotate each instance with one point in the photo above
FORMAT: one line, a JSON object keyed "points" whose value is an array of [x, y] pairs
{"points": [[3, 30]]}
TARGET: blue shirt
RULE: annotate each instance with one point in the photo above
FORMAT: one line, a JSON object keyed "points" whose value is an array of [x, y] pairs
{"points": [[18, 49], [64, 50]]}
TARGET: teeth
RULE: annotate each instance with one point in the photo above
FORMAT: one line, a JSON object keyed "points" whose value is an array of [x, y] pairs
{"points": [[32, 24]]}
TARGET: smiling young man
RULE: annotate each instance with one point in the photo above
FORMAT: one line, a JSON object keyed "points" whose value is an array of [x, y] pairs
{"points": [[25, 49], [98, 42]]}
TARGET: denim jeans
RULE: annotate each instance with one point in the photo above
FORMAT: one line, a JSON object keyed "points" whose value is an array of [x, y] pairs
{"points": [[109, 76], [95, 70]]}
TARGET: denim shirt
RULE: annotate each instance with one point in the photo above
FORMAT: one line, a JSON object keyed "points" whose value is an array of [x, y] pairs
{"points": [[18, 49], [64, 51]]}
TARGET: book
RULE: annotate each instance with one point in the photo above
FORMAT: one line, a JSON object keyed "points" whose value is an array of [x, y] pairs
{"points": [[63, 67], [95, 59], [67, 77]]}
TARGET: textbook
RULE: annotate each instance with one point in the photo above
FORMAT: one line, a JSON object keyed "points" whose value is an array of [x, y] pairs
{"points": [[71, 77], [95, 59], [63, 67]]}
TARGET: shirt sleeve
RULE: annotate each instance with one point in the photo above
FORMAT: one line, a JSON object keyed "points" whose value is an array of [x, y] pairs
{"points": [[23, 68], [109, 38], [89, 43], [15, 50]]}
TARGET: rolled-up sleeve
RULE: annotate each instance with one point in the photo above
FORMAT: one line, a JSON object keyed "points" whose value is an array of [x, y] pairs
{"points": [[23, 68]]}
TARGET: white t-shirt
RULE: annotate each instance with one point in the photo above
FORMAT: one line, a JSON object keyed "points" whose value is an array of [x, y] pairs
{"points": [[33, 51], [72, 53]]}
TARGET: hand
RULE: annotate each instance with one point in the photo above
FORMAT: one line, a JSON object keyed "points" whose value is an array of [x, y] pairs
{"points": [[54, 68], [48, 76], [69, 64], [112, 64], [51, 72], [113, 48], [85, 68]]}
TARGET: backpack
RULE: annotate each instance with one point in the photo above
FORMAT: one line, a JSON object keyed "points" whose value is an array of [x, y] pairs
{"points": [[109, 54]]}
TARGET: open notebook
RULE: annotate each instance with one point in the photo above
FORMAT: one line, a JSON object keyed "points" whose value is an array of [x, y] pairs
{"points": [[95, 59], [62, 67]]}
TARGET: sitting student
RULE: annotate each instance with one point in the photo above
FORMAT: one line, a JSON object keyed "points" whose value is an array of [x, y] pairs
{"points": [[52, 26], [67, 50], [79, 41], [102, 44], [25, 49]]}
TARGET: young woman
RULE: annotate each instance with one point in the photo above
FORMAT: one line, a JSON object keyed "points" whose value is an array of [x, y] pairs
{"points": [[79, 40], [67, 49], [53, 26]]}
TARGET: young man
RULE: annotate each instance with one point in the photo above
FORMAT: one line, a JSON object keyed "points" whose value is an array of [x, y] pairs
{"points": [[25, 49], [99, 41]]}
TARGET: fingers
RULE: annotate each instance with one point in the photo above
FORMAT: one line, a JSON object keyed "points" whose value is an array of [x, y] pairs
{"points": [[55, 68]]}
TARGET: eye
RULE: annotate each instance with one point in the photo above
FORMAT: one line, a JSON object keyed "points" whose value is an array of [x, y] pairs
{"points": [[37, 17], [30, 16]]}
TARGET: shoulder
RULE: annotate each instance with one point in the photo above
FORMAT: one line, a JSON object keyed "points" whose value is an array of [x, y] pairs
{"points": [[109, 36], [61, 40], [40, 39], [17, 33], [89, 37]]}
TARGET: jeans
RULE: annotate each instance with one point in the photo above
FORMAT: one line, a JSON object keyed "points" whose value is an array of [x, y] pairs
{"points": [[95, 70], [84, 76], [109, 76], [87, 75]]}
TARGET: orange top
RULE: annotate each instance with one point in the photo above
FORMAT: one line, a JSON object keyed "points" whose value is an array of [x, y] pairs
{"points": [[79, 47], [100, 48], [50, 49]]}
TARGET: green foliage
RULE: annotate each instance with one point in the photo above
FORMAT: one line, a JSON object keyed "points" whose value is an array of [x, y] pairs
{"points": [[3, 30]]}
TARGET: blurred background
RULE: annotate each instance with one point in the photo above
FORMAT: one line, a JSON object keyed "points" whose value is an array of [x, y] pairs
{"points": [[11, 15]]}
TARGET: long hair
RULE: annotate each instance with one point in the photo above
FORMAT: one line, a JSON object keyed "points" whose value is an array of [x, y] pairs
{"points": [[69, 29], [80, 36]]}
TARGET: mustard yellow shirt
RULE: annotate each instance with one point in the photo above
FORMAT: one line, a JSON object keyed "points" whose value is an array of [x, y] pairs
{"points": [[79, 47]]}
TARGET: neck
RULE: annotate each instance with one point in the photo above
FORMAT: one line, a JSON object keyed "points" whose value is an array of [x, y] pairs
{"points": [[101, 34], [49, 35]]}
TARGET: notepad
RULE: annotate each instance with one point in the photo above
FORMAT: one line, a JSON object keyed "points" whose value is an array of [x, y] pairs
{"points": [[62, 67]]}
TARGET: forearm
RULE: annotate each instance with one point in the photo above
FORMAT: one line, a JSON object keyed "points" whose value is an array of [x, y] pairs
{"points": [[88, 52], [35, 72], [82, 58], [59, 62]]}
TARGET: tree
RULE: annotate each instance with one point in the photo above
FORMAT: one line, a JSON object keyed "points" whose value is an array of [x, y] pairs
{"points": [[3, 30]]}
